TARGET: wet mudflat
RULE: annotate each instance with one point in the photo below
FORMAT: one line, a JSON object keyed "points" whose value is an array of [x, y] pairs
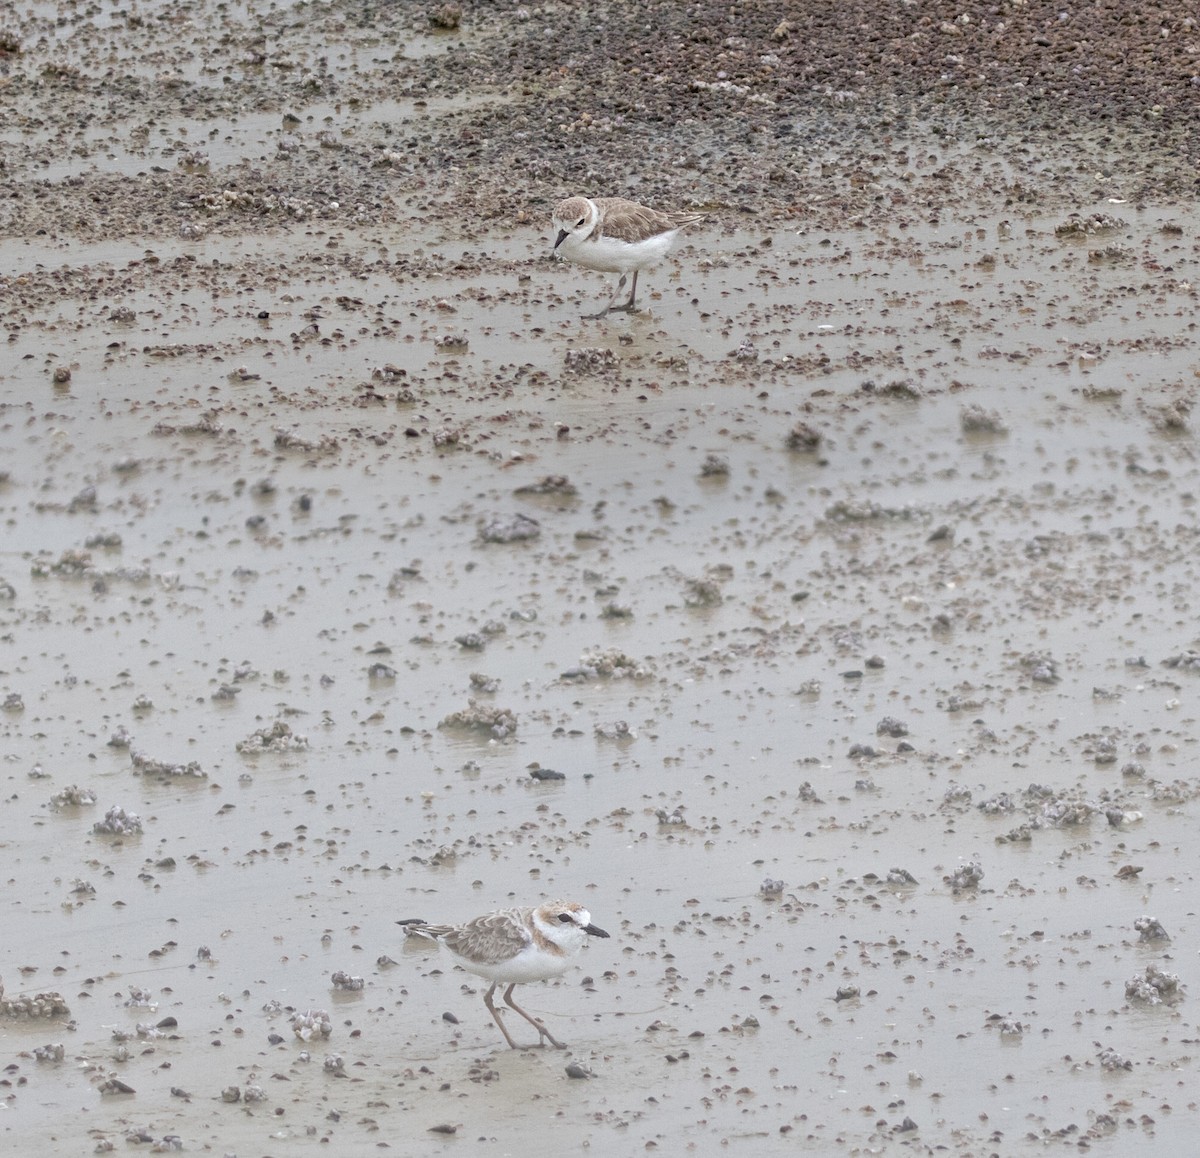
{"points": [[826, 628]]}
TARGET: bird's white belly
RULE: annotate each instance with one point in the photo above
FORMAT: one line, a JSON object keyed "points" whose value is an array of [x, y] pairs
{"points": [[613, 256], [525, 966]]}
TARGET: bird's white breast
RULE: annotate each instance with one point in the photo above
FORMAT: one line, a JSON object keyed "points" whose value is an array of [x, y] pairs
{"points": [[614, 256]]}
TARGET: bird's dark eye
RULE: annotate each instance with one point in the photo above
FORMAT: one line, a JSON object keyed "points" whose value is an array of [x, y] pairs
{"points": [[580, 222], [566, 918]]}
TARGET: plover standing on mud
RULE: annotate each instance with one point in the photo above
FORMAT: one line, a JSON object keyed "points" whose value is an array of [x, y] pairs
{"points": [[514, 946], [617, 236]]}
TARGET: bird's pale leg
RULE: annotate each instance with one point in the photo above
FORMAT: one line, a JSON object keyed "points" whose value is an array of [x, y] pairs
{"points": [[542, 1030], [612, 301], [487, 1000], [628, 307]]}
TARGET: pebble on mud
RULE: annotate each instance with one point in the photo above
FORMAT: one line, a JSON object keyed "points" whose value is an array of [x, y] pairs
{"points": [[45, 1005], [1154, 987], [509, 529], [974, 419], [589, 359], [278, 737], [72, 796], [476, 717], [606, 663], [307, 1025], [1040, 668], [452, 344], [966, 876], [163, 770], [1148, 929], [551, 484], [1078, 225], [848, 511], [1111, 1060], [118, 822], [290, 440], [446, 17], [114, 1085], [702, 593], [803, 439]]}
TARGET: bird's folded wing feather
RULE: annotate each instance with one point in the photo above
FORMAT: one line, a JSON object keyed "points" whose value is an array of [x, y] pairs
{"points": [[629, 221], [490, 939]]}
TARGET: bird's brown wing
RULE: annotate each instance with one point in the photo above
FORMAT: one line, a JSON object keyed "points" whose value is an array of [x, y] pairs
{"points": [[490, 939], [628, 221]]}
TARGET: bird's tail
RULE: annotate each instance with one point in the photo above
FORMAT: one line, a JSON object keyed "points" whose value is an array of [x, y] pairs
{"points": [[418, 927]]}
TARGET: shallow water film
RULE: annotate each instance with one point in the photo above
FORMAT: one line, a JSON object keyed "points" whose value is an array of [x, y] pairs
{"points": [[826, 627]]}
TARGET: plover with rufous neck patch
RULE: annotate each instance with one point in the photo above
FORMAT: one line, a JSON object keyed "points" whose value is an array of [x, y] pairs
{"points": [[515, 946]]}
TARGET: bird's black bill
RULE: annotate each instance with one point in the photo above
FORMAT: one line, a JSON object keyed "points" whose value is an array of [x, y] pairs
{"points": [[562, 236], [415, 921], [594, 931]]}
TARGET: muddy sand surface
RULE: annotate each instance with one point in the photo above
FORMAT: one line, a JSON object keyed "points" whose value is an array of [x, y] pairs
{"points": [[828, 628]]}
